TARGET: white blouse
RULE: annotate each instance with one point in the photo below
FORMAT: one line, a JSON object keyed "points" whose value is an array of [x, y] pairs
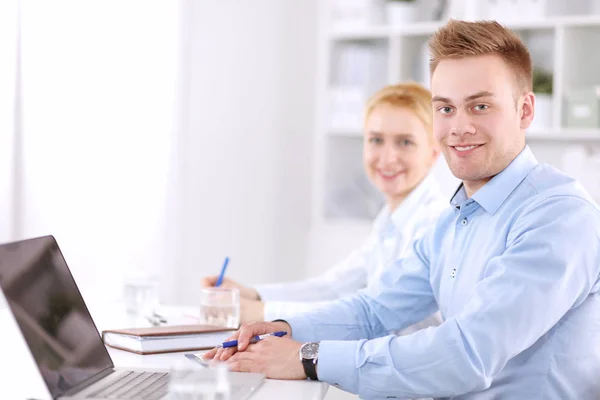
{"points": [[391, 238]]}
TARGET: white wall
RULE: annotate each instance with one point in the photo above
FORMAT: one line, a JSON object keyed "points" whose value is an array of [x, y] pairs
{"points": [[242, 163], [98, 89], [103, 86], [8, 47]]}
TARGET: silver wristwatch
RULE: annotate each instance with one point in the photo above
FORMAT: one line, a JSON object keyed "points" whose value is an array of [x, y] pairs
{"points": [[309, 356]]}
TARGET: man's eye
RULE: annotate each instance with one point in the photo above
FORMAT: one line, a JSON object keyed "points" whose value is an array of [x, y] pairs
{"points": [[445, 110], [481, 107]]}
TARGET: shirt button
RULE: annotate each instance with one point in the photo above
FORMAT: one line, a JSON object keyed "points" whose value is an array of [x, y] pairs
{"points": [[453, 273], [464, 221]]}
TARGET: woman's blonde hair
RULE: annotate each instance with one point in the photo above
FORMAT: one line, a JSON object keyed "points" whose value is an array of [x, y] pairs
{"points": [[409, 95], [459, 39]]}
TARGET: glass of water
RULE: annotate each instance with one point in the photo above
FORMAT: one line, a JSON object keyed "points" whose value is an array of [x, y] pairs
{"points": [[201, 383], [141, 296], [220, 307]]}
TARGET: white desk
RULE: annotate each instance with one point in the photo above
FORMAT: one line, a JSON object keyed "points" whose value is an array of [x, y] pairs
{"points": [[20, 379], [270, 389]]}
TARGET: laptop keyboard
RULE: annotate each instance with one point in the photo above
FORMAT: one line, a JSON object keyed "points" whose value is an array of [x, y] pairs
{"points": [[132, 385], [135, 385]]}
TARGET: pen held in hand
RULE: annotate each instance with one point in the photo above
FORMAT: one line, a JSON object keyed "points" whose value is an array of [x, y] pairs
{"points": [[222, 274], [234, 343]]}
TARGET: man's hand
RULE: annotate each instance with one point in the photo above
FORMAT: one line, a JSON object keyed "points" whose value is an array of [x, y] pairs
{"points": [[251, 311], [277, 358], [243, 336], [245, 292]]}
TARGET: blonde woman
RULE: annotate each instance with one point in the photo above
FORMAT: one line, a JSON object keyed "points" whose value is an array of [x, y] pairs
{"points": [[399, 152]]}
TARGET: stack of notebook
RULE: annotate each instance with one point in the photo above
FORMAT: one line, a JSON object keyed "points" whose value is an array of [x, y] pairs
{"points": [[164, 339]]}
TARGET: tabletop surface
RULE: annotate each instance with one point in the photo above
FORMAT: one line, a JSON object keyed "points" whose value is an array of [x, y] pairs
{"points": [[18, 367]]}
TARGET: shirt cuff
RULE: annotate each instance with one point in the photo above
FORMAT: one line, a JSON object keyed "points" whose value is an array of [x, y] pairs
{"points": [[337, 364]]}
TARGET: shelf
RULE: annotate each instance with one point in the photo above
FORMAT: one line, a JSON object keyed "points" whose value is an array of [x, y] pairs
{"points": [[574, 21], [417, 29], [428, 28], [560, 44], [565, 135], [347, 133], [364, 33]]}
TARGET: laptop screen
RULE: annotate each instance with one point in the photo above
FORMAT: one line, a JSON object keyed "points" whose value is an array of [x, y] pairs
{"points": [[51, 313]]}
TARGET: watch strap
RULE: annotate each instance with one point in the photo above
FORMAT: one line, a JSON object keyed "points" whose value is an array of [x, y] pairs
{"points": [[310, 368]]}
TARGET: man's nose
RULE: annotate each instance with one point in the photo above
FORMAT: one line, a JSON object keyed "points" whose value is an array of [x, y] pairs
{"points": [[462, 125]]}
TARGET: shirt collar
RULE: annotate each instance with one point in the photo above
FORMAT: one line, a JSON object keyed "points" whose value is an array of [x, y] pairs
{"points": [[494, 193]]}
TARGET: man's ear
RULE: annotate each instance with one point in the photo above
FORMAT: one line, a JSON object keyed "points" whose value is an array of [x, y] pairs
{"points": [[527, 110]]}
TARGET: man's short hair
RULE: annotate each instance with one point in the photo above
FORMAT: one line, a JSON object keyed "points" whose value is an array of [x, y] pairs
{"points": [[460, 39]]}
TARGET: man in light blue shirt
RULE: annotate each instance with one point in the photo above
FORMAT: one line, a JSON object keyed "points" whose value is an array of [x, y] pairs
{"points": [[513, 265]]}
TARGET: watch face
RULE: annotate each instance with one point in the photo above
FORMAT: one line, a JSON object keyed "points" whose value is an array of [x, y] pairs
{"points": [[310, 350]]}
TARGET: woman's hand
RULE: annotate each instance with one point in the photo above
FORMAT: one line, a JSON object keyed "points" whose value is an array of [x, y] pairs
{"points": [[245, 292], [251, 311]]}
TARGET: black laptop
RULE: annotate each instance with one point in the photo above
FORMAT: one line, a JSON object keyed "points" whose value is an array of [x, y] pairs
{"points": [[62, 337]]}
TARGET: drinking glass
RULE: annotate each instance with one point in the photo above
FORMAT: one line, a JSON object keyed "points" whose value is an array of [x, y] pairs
{"points": [[210, 382], [220, 307], [141, 297]]}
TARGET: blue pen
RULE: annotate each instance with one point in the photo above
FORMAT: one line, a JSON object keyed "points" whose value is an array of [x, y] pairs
{"points": [[234, 343], [222, 275]]}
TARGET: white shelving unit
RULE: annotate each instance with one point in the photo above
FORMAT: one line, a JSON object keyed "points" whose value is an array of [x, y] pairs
{"points": [[564, 45]]}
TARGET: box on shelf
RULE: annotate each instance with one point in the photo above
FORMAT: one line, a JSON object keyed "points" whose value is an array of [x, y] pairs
{"points": [[362, 64], [356, 14], [359, 64], [571, 7], [543, 112], [358, 70], [578, 161], [507, 11], [346, 104], [583, 106], [400, 13]]}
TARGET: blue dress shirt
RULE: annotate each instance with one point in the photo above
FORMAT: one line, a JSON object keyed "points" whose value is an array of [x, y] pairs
{"points": [[515, 272]]}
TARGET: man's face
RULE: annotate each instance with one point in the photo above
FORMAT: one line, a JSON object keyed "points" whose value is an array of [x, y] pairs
{"points": [[480, 116]]}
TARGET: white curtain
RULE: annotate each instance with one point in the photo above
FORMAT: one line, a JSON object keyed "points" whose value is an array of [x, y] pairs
{"points": [[98, 88], [164, 135], [8, 73], [8, 111]]}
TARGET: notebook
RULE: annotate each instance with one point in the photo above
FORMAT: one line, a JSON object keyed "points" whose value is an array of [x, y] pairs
{"points": [[163, 339]]}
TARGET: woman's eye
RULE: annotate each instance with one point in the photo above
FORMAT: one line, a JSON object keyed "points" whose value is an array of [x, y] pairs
{"points": [[375, 140], [445, 110]]}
